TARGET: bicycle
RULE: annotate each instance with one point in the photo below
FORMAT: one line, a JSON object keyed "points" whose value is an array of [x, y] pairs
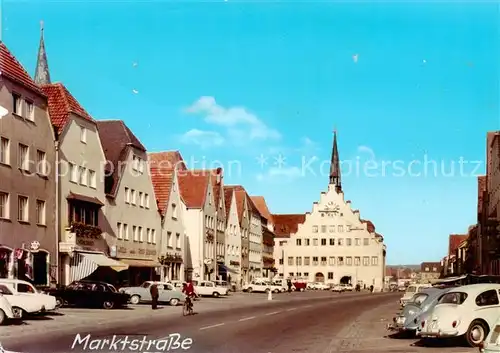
{"points": [[187, 308]]}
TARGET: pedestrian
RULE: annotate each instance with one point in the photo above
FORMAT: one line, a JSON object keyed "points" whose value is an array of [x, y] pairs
{"points": [[289, 283], [154, 296], [371, 288]]}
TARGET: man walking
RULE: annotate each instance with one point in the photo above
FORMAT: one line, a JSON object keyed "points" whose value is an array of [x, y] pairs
{"points": [[154, 296]]}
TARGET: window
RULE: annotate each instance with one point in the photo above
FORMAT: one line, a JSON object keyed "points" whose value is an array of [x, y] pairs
{"points": [[341, 229], [30, 111], [315, 242], [306, 274], [148, 235], [331, 261], [290, 261], [374, 261], [177, 241], [125, 231], [308, 242], [340, 261], [127, 195], [323, 229], [489, 297], [16, 103], [298, 261], [366, 241], [141, 235], [4, 205], [132, 197], [41, 162], [366, 261], [153, 236], [357, 241], [298, 242], [330, 275], [281, 261], [134, 233], [323, 242], [23, 157], [454, 298], [340, 241], [332, 229], [315, 229], [332, 241], [174, 211], [92, 179], [22, 203], [119, 230], [348, 261], [348, 241], [307, 261], [357, 261], [434, 269], [315, 261], [83, 176], [291, 274], [348, 228], [4, 150], [83, 134], [146, 201], [73, 172], [40, 212]]}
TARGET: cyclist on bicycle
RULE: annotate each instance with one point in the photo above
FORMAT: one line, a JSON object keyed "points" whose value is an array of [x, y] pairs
{"points": [[188, 290]]}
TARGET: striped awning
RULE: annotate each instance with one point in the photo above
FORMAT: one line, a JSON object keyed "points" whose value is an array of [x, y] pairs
{"points": [[83, 264]]}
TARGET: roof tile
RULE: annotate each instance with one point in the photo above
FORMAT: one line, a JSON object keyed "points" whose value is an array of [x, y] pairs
{"points": [[193, 188], [286, 224], [454, 242], [168, 160], [369, 224], [261, 205]]}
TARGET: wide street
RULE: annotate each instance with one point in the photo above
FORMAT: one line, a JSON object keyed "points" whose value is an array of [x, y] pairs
{"points": [[316, 322]]}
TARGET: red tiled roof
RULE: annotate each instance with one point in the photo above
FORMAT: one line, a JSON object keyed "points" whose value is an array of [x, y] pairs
{"points": [[168, 160], [261, 205], [481, 188], [61, 103], [370, 225], [162, 184], [11, 68], [216, 179], [454, 242], [241, 198], [286, 224], [116, 138], [228, 198], [193, 188]]}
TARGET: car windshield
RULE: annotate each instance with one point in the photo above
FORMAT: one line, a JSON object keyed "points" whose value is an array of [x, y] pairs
{"points": [[146, 284], [419, 298], [453, 298], [411, 289], [5, 290]]}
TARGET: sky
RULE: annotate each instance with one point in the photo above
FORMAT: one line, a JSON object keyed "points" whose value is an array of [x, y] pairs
{"points": [[259, 86]]}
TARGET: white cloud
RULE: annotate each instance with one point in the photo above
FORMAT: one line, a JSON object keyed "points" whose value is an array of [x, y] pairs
{"points": [[241, 125], [202, 138], [367, 150], [3, 111], [280, 175]]}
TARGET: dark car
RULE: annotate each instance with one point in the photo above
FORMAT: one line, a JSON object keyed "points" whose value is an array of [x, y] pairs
{"points": [[90, 294]]}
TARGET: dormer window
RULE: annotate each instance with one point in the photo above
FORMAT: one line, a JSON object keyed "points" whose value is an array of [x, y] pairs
{"points": [[137, 164], [83, 134]]}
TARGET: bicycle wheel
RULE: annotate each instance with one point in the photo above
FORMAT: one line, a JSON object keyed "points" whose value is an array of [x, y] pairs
{"points": [[185, 309]]}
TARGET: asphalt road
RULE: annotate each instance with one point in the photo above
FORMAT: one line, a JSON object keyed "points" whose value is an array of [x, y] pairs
{"points": [[284, 326]]}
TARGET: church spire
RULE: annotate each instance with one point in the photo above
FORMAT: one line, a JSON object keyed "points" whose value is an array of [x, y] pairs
{"points": [[42, 74], [335, 165]]}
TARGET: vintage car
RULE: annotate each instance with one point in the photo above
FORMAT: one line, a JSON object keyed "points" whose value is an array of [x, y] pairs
{"points": [[209, 288], [410, 292], [6, 310], [319, 286], [93, 294], [282, 284], [27, 298], [492, 342], [257, 286], [166, 293], [338, 288], [409, 319], [470, 311]]}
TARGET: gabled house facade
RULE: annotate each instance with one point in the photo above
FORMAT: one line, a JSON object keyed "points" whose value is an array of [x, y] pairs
{"points": [[172, 210], [83, 250], [268, 262], [233, 239], [28, 234], [285, 225], [133, 226], [255, 241]]}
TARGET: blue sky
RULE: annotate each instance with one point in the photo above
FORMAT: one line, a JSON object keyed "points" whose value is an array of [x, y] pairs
{"points": [[276, 78]]}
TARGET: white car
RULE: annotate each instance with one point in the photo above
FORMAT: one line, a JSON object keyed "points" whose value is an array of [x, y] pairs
{"points": [[27, 298], [411, 291], [321, 286], [6, 310], [276, 288], [469, 311], [338, 288], [209, 288], [347, 287], [258, 287], [492, 342]]}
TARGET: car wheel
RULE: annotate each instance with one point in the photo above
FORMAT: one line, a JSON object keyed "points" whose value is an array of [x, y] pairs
{"points": [[476, 333], [215, 294], [108, 304], [249, 290], [276, 291], [267, 290], [135, 299], [18, 309], [174, 302], [301, 289]]}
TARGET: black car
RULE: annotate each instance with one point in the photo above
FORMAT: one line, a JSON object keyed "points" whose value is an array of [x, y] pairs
{"points": [[90, 294]]}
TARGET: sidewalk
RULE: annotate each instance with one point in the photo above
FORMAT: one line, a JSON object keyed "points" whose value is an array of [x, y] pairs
{"points": [[368, 333]]}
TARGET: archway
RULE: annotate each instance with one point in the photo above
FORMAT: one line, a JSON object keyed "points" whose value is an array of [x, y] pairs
{"points": [[319, 277], [345, 280], [40, 268]]}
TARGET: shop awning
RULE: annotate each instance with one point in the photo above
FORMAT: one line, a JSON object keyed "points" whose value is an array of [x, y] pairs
{"points": [[224, 268], [83, 198], [83, 264], [141, 263]]}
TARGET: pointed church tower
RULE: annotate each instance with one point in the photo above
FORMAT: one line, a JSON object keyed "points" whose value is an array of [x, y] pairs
{"points": [[42, 75], [335, 178]]}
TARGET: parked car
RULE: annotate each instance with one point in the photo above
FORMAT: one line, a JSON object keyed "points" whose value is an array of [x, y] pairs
{"points": [[338, 288], [299, 286], [469, 311], [276, 288], [492, 342], [209, 288], [90, 294], [409, 319], [166, 291], [348, 287], [282, 284], [6, 310], [177, 284], [27, 298], [257, 287], [410, 292], [318, 286]]}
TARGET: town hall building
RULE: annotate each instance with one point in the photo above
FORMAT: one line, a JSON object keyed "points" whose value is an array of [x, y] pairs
{"points": [[333, 244]]}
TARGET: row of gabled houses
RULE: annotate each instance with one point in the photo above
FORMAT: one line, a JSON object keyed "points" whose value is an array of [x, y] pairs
{"points": [[83, 198], [478, 250]]}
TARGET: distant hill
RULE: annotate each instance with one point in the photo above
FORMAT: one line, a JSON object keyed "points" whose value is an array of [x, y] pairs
{"points": [[410, 267]]}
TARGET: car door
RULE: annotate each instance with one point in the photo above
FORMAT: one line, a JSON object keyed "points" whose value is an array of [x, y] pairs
{"points": [[167, 292], [209, 288], [488, 305]]}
